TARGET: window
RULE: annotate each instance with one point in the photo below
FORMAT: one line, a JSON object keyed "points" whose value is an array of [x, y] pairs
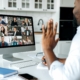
{"points": [[12, 3]]}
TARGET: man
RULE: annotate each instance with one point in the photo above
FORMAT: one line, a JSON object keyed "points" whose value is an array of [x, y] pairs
{"points": [[3, 43], [2, 22], [14, 42], [16, 32], [27, 32], [62, 69], [23, 28]]}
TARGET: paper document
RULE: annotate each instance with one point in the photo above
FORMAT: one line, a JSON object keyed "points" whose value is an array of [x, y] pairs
{"points": [[41, 66]]}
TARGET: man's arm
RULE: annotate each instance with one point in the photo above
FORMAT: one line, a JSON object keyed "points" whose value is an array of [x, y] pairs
{"points": [[49, 42], [50, 58], [58, 71], [62, 60]]}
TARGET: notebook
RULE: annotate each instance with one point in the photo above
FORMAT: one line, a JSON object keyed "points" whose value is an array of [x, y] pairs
{"points": [[5, 72]]}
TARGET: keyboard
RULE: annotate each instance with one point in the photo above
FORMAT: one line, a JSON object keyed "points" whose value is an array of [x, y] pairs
{"points": [[24, 64]]}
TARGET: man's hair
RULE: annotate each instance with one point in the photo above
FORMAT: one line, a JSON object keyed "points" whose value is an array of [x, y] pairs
{"points": [[23, 21], [2, 37], [15, 27], [0, 16], [15, 18]]}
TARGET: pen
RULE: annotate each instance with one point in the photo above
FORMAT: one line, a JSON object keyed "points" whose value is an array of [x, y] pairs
{"points": [[44, 60]]}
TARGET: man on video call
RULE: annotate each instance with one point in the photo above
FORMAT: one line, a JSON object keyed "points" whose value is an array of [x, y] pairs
{"points": [[3, 43], [62, 69], [14, 42], [27, 32], [16, 32]]}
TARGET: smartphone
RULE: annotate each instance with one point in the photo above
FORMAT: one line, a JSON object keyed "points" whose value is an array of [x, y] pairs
{"points": [[28, 76]]}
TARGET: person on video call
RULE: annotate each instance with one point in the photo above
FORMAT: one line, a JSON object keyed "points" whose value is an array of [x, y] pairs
{"points": [[3, 31], [27, 22], [23, 42], [16, 32], [14, 22], [20, 42], [62, 69], [3, 43], [23, 23], [14, 41], [2, 22], [27, 32], [23, 28], [28, 41]]}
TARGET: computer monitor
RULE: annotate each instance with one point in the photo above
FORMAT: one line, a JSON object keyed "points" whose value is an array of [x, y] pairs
{"points": [[16, 35]]}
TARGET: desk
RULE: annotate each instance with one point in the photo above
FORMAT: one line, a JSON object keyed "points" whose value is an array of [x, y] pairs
{"points": [[40, 74]]}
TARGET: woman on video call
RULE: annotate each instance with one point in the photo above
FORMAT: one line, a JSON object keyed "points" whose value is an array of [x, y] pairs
{"points": [[14, 22]]}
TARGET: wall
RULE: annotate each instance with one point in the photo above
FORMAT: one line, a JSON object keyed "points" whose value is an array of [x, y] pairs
{"points": [[36, 16]]}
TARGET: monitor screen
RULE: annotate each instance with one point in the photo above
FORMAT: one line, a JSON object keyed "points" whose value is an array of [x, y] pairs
{"points": [[16, 31]]}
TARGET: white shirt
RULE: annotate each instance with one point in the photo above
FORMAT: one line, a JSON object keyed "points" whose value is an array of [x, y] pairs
{"points": [[22, 29], [14, 33], [71, 69]]}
